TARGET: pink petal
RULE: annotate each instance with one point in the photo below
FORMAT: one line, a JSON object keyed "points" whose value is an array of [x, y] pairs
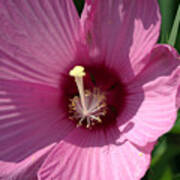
{"points": [[121, 32], [27, 169], [38, 38], [30, 119], [155, 89], [93, 156]]}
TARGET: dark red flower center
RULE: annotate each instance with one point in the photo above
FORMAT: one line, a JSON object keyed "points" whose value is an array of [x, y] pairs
{"points": [[94, 96]]}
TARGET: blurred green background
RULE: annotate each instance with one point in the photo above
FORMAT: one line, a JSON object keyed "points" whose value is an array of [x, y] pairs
{"points": [[165, 163]]}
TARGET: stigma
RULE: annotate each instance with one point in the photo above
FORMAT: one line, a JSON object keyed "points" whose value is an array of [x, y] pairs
{"points": [[89, 106]]}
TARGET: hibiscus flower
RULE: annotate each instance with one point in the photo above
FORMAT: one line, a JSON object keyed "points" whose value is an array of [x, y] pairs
{"points": [[83, 98]]}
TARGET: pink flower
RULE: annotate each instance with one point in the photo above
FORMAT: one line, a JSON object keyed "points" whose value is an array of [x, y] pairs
{"points": [[122, 93]]}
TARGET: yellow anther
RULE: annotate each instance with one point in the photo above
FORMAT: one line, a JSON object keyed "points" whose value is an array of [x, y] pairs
{"points": [[77, 71], [99, 120]]}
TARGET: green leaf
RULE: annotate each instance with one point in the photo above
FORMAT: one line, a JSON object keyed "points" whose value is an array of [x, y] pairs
{"points": [[174, 31], [167, 175], [159, 150], [167, 8], [177, 46]]}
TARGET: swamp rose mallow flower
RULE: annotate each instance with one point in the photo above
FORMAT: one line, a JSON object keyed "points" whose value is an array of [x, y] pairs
{"points": [[83, 98]]}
